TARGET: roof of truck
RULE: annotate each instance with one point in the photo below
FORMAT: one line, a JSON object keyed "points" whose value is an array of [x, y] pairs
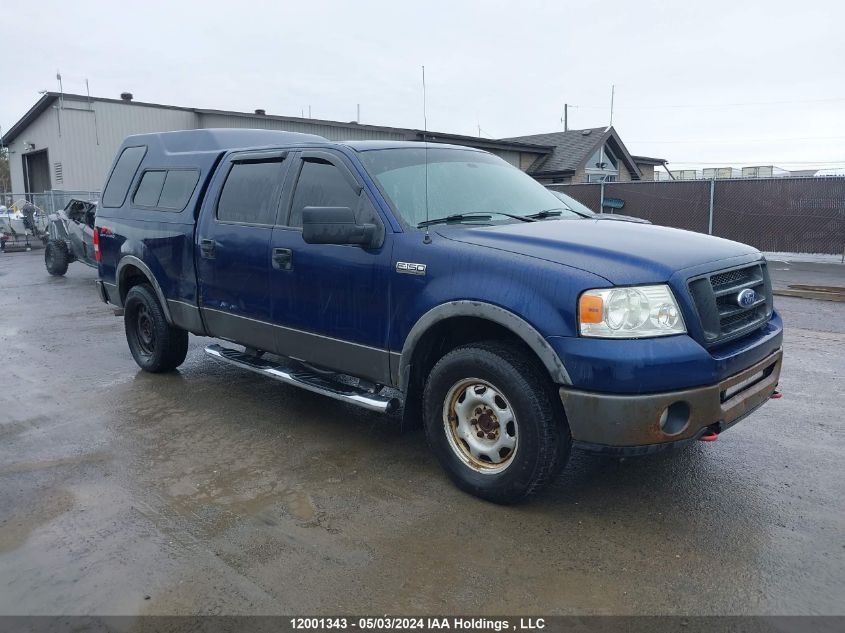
{"points": [[221, 139], [366, 146], [225, 139]]}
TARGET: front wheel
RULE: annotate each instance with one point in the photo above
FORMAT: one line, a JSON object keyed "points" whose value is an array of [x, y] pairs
{"points": [[56, 257], [493, 423], [156, 345]]}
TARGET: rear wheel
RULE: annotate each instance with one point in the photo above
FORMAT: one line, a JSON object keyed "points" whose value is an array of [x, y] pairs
{"points": [[493, 423], [155, 345], [56, 257]]}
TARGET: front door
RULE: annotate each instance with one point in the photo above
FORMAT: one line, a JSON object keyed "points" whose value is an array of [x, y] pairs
{"points": [[233, 249], [331, 301], [37, 171]]}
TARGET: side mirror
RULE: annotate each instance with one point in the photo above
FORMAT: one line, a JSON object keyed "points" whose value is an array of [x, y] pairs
{"points": [[335, 225]]}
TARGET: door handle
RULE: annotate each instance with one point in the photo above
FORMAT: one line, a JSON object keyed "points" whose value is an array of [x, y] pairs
{"points": [[282, 259], [207, 249]]}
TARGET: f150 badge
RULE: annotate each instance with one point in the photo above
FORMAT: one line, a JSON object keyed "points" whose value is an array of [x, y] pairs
{"points": [[409, 268]]}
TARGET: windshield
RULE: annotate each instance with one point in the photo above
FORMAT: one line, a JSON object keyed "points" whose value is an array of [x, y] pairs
{"points": [[572, 204], [459, 182]]}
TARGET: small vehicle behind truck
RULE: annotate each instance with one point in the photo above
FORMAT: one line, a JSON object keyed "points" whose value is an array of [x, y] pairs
{"points": [[440, 283], [71, 237]]}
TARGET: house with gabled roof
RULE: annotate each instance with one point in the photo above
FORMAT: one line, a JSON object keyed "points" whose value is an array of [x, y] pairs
{"points": [[589, 155]]}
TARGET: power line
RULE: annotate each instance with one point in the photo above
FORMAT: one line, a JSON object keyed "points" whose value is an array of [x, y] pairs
{"points": [[743, 140], [767, 161], [717, 105]]}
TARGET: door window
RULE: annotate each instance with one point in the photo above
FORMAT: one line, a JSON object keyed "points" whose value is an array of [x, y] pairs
{"points": [[250, 194], [321, 184]]}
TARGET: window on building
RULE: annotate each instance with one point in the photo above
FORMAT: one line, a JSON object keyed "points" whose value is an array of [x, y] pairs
{"points": [[604, 159], [250, 194], [321, 184], [122, 175]]}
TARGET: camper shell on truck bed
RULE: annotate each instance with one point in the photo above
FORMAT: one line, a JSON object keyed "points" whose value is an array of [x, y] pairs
{"points": [[437, 281]]}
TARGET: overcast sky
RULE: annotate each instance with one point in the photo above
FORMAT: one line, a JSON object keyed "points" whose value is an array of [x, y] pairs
{"points": [[680, 68]]}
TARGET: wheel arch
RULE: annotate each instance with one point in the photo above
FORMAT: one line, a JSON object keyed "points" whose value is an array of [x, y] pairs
{"points": [[499, 319], [131, 271]]}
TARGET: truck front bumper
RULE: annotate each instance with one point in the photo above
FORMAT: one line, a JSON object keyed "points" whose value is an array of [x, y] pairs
{"points": [[630, 423]]}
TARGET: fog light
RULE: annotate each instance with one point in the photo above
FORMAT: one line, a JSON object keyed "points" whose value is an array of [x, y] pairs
{"points": [[675, 418]]}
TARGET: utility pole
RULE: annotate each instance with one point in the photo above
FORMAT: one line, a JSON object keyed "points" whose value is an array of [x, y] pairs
{"points": [[565, 117]]}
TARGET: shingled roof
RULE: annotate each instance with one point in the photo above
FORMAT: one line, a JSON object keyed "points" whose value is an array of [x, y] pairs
{"points": [[570, 148], [573, 148]]}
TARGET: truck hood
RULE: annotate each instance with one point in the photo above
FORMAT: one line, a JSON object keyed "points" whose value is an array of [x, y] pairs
{"points": [[621, 252]]}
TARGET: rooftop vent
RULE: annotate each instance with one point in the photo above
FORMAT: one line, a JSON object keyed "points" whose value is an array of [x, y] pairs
{"points": [[260, 111], [586, 132], [126, 96]]}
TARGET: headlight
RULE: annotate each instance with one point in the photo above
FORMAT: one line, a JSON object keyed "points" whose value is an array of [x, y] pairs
{"points": [[635, 312]]}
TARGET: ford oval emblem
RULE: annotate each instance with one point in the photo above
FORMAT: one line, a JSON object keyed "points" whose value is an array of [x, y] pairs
{"points": [[746, 298]]}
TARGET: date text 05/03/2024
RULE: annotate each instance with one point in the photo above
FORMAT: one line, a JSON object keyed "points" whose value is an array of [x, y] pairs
{"points": [[419, 624]]}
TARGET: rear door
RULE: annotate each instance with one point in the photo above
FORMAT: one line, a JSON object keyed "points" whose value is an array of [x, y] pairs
{"points": [[233, 248], [330, 301]]}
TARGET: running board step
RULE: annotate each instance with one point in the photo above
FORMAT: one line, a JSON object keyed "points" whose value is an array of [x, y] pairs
{"points": [[299, 376]]}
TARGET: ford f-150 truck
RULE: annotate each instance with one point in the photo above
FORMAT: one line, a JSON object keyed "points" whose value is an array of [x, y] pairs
{"points": [[438, 282]]}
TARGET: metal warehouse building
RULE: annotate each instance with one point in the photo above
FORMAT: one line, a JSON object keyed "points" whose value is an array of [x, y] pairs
{"points": [[66, 142]]}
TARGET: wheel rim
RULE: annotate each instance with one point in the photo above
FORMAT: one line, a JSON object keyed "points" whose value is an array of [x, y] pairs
{"points": [[480, 425], [145, 330]]}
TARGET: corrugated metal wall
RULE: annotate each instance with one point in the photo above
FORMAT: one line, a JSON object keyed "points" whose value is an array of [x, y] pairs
{"points": [[86, 153], [331, 132], [83, 153]]}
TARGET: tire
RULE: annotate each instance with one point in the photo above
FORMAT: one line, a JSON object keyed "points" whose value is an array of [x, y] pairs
{"points": [[525, 443], [155, 345], [56, 257]]}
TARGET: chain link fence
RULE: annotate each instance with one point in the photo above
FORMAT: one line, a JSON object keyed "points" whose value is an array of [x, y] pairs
{"points": [[24, 221], [792, 215], [46, 202]]}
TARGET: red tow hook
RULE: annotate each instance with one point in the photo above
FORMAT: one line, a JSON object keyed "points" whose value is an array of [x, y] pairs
{"points": [[708, 437], [777, 394]]}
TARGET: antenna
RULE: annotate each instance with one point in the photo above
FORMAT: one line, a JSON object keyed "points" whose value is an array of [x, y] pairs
{"points": [[93, 111], [427, 236], [612, 94], [61, 101]]}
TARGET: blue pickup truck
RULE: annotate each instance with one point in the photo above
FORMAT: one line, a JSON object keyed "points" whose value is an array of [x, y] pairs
{"points": [[439, 283]]}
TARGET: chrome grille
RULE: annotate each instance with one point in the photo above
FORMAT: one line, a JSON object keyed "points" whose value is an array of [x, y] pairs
{"points": [[715, 296]]}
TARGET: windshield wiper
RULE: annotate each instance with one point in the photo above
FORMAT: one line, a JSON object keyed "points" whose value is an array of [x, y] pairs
{"points": [[546, 213], [475, 215]]}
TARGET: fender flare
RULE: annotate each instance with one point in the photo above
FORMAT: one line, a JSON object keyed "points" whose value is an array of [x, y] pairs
{"points": [[466, 308], [131, 260]]}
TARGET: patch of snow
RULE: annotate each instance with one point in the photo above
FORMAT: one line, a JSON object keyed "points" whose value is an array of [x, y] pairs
{"points": [[814, 258]]}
